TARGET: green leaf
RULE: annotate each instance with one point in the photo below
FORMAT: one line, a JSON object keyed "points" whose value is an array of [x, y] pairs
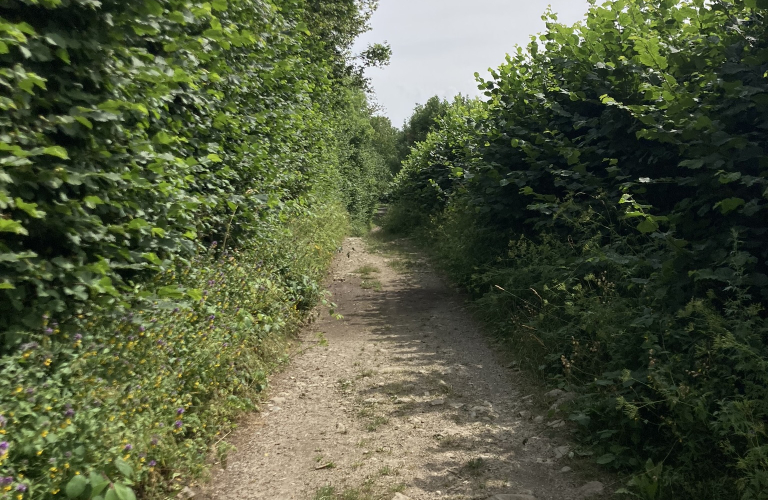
{"points": [[124, 492], [214, 158], [163, 138], [153, 258], [219, 5], [56, 151], [76, 486], [170, 291], [7, 286], [12, 226], [195, 294], [138, 224], [98, 483], [29, 208], [694, 164], [729, 204], [92, 201], [84, 122], [63, 55], [606, 459], [647, 226], [153, 7], [124, 468]]}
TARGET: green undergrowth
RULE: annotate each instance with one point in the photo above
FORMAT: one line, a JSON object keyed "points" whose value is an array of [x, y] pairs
{"points": [[140, 395]]}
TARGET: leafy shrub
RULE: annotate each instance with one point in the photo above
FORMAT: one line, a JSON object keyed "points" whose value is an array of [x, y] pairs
{"points": [[139, 394], [605, 206], [134, 132], [173, 185]]}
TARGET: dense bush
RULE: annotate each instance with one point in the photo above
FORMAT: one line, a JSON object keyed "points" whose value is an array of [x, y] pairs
{"points": [[607, 205], [174, 180], [140, 395], [134, 131]]}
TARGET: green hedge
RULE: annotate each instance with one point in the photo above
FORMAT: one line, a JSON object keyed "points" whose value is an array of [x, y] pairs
{"points": [[138, 395], [614, 186], [173, 183], [135, 131]]}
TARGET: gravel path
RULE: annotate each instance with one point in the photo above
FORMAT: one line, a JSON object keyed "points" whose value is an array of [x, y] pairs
{"points": [[402, 399]]}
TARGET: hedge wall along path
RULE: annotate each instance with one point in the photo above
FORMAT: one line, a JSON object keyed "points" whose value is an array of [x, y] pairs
{"points": [[131, 133], [618, 168]]}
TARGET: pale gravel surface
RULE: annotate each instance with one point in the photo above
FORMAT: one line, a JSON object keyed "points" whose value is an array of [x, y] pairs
{"points": [[407, 396]]}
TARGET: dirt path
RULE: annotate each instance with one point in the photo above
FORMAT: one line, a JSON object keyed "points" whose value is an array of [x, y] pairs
{"points": [[401, 399]]}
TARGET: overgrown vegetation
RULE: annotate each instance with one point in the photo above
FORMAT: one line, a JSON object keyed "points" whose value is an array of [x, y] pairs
{"points": [[606, 205], [174, 178]]}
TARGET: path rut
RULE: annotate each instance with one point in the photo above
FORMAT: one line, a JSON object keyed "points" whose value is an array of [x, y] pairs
{"points": [[403, 398]]}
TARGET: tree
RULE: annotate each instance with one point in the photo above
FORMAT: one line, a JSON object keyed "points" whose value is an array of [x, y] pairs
{"points": [[385, 141], [424, 119]]}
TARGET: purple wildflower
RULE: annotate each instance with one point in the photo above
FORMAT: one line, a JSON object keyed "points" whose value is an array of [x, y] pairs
{"points": [[21, 488], [176, 309], [78, 336], [128, 447], [212, 317], [154, 441], [178, 424], [69, 413], [152, 463], [141, 329], [48, 331], [3, 421], [179, 411], [4, 447], [6, 480]]}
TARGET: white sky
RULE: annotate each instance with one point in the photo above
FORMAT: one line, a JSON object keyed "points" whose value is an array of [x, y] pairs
{"points": [[438, 45]]}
